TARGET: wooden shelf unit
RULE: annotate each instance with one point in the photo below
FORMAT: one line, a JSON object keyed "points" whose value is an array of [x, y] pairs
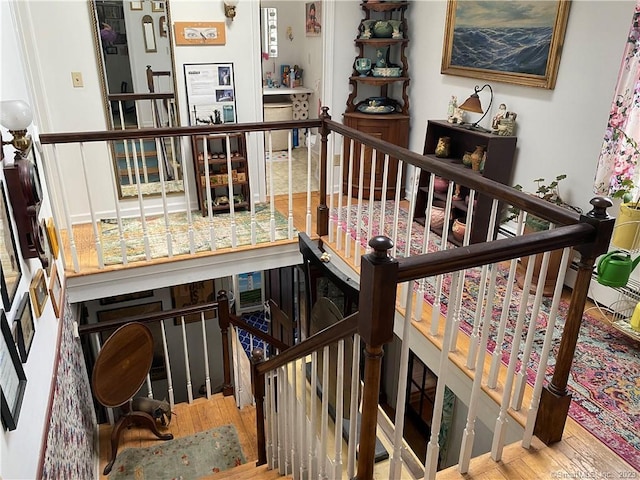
{"points": [[218, 165], [499, 163]]}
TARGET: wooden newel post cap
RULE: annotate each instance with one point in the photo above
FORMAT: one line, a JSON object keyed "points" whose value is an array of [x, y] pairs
{"points": [[381, 245], [257, 355], [325, 113], [222, 293], [600, 205]]}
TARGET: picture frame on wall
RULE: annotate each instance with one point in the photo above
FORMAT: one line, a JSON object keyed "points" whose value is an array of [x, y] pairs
{"points": [[13, 380], [249, 291], [135, 5], [55, 290], [52, 237], [194, 293], [200, 33], [313, 18], [211, 95], [10, 269], [26, 328], [38, 292], [541, 25]]}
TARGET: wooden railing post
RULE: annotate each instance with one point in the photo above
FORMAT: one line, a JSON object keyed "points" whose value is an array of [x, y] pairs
{"points": [[555, 399], [322, 225], [257, 383], [223, 321], [377, 309]]}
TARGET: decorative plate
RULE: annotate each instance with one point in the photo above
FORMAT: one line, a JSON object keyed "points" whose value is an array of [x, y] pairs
{"points": [[365, 108]]}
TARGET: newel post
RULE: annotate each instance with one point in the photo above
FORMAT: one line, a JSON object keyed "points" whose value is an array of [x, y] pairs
{"points": [[555, 399], [322, 225], [223, 321], [378, 275], [257, 385]]}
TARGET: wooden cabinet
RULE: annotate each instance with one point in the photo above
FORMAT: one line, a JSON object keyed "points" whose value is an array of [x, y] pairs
{"points": [[498, 166], [382, 37], [228, 174], [393, 128]]}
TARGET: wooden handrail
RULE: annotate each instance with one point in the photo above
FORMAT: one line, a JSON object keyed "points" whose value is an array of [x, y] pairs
{"points": [[329, 335]]}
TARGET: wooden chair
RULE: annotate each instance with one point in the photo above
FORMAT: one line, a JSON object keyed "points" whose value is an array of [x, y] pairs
{"points": [[120, 370]]}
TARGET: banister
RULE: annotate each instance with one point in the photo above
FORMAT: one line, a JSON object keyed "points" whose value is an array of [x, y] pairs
{"points": [[335, 332], [127, 97], [445, 261]]}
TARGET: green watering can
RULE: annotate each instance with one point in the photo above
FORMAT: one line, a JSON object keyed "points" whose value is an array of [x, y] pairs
{"points": [[615, 268]]}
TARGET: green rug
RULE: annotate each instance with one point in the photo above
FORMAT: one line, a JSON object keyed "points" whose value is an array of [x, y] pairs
{"points": [[179, 229], [187, 458]]}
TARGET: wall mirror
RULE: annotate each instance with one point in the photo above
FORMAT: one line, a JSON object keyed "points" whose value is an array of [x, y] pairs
{"points": [[135, 58]]}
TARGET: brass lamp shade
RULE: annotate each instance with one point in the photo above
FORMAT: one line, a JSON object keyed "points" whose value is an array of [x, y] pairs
{"points": [[472, 104]]}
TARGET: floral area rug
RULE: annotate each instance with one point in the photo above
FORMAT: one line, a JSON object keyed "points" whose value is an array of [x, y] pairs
{"points": [[188, 458], [179, 228], [605, 375]]}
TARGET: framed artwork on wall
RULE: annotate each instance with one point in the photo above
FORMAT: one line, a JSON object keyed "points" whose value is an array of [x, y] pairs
{"points": [[38, 292], [9, 261], [313, 18], [200, 33], [195, 293], [135, 5], [55, 290], [249, 292], [52, 237], [211, 95], [26, 328], [13, 381], [513, 42]]}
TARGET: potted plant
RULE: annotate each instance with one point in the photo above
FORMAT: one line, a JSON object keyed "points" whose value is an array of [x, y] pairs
{"points": [[626, 231], [551, 193]]}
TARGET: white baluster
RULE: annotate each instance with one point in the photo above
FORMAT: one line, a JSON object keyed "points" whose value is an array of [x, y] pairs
{"points": [[272, 218], [347, 235], [324, 417], [341, 228], [205, 348], [167, 364], [143, 219], [192, 241], [312, 441], [187, 367], [383, 196], [372, 183], [309, 172], [337, 459], [353, 408], [94, 220], [356, 255], [290, 187]]}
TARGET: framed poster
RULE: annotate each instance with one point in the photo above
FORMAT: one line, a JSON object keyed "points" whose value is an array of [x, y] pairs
{"points": [[249, 292], [211, 95], [55, 290], [313, 17], [26, 328], [513, 42], [10, 272], [13, 381], [195, 293]]}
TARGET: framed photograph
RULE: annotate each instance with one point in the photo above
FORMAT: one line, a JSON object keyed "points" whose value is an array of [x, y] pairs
{"points": [[46, 248], [13, 381], [521, 41], [38, 292], [158, 370], [157, 6], [195, 293], [126, 297], [211, 95], [249, 291], [313, 17], [135, 5], [55, 290], [26, 328], [52, 237], [10, 272], [200, 33]]}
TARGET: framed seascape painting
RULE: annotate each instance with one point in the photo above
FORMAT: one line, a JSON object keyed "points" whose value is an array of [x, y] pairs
{"points": [[513, 42]]}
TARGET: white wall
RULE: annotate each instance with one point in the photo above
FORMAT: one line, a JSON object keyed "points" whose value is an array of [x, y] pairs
{"points": [[20, 448]]}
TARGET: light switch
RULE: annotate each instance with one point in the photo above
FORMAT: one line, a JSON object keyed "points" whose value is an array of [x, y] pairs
{"points": [[76, 78]]}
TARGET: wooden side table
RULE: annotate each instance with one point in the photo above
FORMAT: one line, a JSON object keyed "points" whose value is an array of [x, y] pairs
{"points": [[120, 370]]}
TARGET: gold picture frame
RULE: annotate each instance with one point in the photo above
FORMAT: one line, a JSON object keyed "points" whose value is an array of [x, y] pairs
{"points": [[135, 5], [55, 290], [38, 292], [52, 237], [550, 20], [200, 33]]}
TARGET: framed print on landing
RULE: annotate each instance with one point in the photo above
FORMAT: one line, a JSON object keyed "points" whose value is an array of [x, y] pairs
{"points": [[26, 328], [211, 95], [38, 292], [200, 33], [13, 381], [52, 237], [513, 42], [55, 290], [249, 291], [194, 293]]}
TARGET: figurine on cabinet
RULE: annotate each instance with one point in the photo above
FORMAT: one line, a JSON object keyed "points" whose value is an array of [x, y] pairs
{"points": [[458, 115], [453, 104], [502, 113]]}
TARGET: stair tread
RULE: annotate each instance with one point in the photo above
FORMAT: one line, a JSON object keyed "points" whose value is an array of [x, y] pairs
{"points": [[246, 470]]}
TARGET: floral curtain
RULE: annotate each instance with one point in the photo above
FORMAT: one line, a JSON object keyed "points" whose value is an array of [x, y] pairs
{"points": [[619, 154]]}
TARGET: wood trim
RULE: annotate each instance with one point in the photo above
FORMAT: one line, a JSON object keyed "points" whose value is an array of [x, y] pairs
{"points": [[240, 323]]}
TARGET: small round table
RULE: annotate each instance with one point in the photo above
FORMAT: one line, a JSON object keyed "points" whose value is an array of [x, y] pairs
{"points": [[120, 370]]}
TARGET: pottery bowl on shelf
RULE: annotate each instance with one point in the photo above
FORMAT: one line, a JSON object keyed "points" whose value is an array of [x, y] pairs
{"points": [[458, 229], [440, 185], [382, 29], [386, 71], [437, 215]]}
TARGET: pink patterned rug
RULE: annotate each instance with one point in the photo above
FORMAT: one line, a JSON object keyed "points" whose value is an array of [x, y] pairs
{"points": [[605, 376]]}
